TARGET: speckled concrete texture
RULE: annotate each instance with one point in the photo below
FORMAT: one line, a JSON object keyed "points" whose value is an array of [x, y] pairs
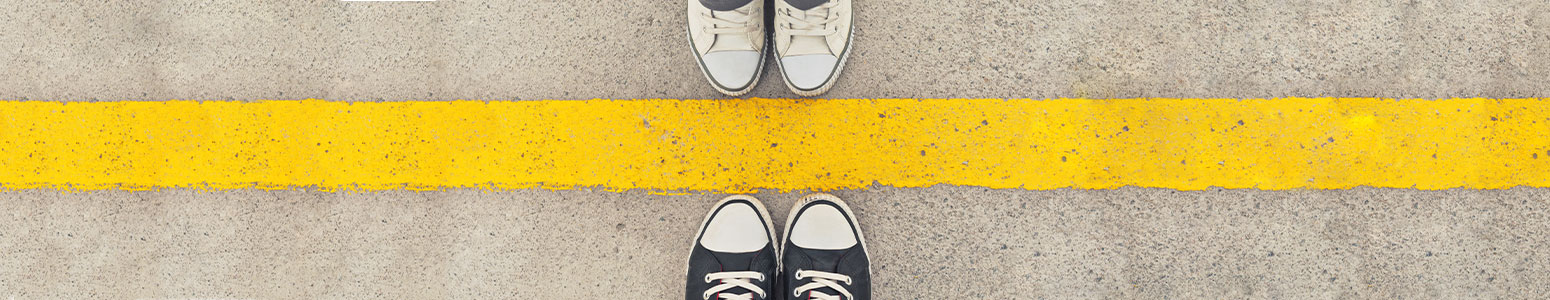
{"points": [[939, 242], [550, 49], [942, 242]]}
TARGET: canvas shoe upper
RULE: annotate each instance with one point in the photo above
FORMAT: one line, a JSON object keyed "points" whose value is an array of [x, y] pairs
{"points": [[824, 254], [727, 37], [733, 256], [812, 40]]}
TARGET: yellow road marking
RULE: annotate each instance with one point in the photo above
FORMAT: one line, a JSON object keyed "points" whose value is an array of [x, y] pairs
{"points": [[781, 144]]}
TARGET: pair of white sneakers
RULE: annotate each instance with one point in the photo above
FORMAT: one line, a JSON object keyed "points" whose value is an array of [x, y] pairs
{"points": [[811, 41]]}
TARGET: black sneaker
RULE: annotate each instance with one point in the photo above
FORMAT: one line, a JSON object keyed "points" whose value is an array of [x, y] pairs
{"points": [[824, 256], [734, 253]]}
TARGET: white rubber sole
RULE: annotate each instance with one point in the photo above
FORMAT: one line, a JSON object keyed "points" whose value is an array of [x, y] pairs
{"points": [[758, 207], [854, 225]]}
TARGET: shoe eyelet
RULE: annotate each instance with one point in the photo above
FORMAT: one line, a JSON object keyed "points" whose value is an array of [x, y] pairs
{"points": [[707, 278]]}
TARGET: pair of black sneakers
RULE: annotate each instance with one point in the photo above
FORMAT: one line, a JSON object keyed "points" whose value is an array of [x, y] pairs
{"points": [[823, 255]]}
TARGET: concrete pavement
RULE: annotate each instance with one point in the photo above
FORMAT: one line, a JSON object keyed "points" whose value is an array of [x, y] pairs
{"points": [[550, 49], [940, 242]]}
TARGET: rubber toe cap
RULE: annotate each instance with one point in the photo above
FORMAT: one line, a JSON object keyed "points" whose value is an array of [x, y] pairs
{"points": [[733, 70], [809, 72]]}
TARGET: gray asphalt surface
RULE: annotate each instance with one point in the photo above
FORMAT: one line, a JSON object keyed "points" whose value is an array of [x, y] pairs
{"points": [[939, 242]]}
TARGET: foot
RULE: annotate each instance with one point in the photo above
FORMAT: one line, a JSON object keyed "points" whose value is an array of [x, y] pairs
{"points": [[812, 39], [727, 37], [733, 256], [824, 256]]}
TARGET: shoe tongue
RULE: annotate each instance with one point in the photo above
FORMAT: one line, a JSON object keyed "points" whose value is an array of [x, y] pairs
{"points": [[732, 262], [822, 290], [735, 262], [730, 42], [828, 261], [806, 45]]}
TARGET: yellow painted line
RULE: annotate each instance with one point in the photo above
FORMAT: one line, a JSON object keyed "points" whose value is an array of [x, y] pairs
{"points": [[781, 144]]}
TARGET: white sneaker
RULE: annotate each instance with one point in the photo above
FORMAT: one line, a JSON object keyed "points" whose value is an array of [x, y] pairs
{"points": [[812, 39], [728, 41]]}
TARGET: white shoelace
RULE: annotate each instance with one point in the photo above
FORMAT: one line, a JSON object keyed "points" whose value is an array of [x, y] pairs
{"points": [[731, 280], [823, 280], [727, 22], [812, 22]]}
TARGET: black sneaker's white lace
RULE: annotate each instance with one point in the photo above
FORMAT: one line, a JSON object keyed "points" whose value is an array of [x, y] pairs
{"points": [[730, 280], [822, 280]]}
